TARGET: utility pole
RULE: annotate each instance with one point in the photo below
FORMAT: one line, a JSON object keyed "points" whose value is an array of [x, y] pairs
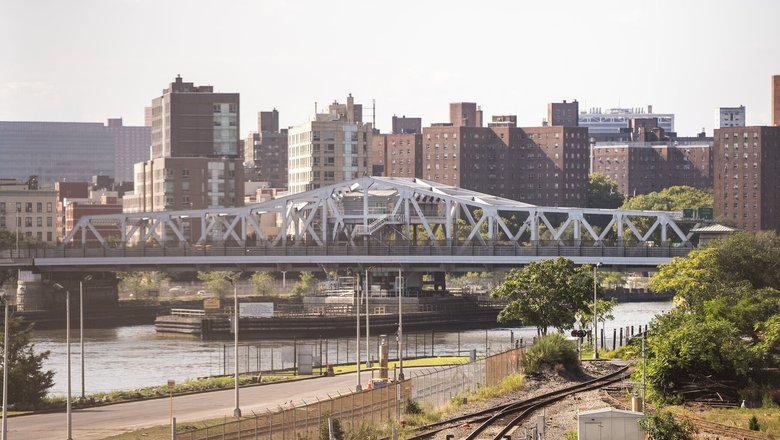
{"points": [[595, 316], [400, 327]]}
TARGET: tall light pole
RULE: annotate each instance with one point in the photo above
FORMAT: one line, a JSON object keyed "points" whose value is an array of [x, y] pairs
{"points": [[368, 339], [358, 387], [4, 298], [400, 328], [18, 224], [237, 410], [595, 316], [81, 328], [67, 343]]}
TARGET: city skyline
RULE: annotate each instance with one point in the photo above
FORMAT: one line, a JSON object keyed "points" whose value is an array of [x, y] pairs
{"points": [[93, 60]]}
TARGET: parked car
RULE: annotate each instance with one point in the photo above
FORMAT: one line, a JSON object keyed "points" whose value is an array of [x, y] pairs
{"points": [[177, 289], [205, 293]]}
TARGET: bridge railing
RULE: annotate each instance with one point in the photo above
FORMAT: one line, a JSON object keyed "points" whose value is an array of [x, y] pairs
{"points": [[542, 249]]}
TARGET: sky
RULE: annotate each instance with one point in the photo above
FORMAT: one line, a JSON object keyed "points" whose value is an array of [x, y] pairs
{"points": [[90, 60]]}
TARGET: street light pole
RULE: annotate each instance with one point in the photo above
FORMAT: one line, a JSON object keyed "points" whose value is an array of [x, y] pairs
{"points": [[237, 410], [81, 329], [358, 387], [4, 298], [400, 329], [67, 344], [368, 339], [595, 316]]}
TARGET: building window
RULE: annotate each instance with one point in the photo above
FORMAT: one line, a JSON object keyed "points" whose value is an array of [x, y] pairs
{"points": [[28, 222], [39, 222], [48, 221], [39, 207], [28, 207], [48, 206]]}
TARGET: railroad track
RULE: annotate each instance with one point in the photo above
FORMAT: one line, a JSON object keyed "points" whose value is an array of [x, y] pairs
{"points": [[520, 410]]}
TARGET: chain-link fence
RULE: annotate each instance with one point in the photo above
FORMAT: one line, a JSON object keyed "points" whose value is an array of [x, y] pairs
{"points": [[433, 387]]}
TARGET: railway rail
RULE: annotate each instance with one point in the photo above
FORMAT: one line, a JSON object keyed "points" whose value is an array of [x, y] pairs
{"points": [[518, 411]]}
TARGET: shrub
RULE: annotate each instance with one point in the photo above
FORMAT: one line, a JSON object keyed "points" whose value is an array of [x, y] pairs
{"points": [[753, 424], [412, 407], [663, 426], [553, 350]]}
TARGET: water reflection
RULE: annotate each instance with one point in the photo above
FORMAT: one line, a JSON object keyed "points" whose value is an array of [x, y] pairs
{"points": [[132, 357]]}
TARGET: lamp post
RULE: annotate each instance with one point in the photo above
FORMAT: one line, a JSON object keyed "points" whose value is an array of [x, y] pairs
{"points": [[67, 343], [4, 298], [595, 316], [368, 339], [237, 410], [400, 329], [81, 328], [358, 387]]}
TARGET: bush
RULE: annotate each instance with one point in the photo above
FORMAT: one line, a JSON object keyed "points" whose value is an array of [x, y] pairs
{"points": [[553, 350], [412, 407], [753, 424], [663, 426]]}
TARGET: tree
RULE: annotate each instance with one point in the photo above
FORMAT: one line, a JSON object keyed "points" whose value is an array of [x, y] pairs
{"points": [[662, 426], [304, 285], [139, 283], [548, 293], [603, 312], [727, 325], [216, 282], [611, 280], [28, 382], [674, 198], [683, 347], [603, 193], [263, 283]]}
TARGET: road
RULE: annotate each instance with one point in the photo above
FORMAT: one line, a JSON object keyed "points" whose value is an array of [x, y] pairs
{"points": [[103, 421]]}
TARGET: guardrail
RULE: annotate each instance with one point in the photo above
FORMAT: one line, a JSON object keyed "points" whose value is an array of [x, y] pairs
{"points": [[370, 249], [187, 312]]}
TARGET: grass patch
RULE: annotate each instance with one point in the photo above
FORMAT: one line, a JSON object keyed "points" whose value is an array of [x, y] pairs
{"points": [[421, 362], [768, 418]]}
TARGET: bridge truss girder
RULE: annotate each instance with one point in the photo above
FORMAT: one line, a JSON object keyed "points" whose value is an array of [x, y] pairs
{"points": [[385, 211]]}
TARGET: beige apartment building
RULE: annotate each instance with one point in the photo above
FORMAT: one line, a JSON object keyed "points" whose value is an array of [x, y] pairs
{"points": [[333, 147], [28, 209]]}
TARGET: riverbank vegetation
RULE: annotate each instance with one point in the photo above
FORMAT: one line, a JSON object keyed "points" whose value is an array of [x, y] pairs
{"points": [[724, 336]]}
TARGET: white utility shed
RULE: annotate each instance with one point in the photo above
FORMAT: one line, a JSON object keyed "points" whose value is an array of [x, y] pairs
{"points": [[609, 424]]}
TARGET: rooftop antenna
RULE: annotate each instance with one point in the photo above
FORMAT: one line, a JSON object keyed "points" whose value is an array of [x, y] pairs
{"points": [[373, 113]]}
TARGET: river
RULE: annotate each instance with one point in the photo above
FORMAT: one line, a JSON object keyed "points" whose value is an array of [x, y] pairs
{"points": [[132, 357]]}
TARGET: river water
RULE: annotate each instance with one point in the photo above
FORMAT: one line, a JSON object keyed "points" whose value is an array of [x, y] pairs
{"points": [[132, 357]]}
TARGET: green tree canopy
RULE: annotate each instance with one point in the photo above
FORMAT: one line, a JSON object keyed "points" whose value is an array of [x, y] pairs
{"points": [[216, 281], [674, 198], [726, 325], [28, 382], [263, 283], [304, 285], [548, 293], [603, 193], [139, 283]]}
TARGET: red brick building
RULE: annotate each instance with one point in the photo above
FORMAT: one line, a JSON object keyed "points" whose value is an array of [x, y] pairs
{"points": [[396, 155], [545, 166], [746, 177], [645, 167]]}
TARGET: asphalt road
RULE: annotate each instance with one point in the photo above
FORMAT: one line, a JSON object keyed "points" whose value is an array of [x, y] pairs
{"points": [[104, 421]]}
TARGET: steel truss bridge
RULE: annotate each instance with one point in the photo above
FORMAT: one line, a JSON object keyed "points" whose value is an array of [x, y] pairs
{"points": [[370, 221]]}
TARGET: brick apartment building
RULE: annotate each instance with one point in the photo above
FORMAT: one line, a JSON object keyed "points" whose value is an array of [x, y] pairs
{"points": [[195, 160], [545, 166], [564, 113], [265, 152], [746, 177], [645, 167]]}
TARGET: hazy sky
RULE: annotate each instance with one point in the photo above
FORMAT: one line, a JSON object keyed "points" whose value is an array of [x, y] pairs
{"points": [[88, 60]]}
